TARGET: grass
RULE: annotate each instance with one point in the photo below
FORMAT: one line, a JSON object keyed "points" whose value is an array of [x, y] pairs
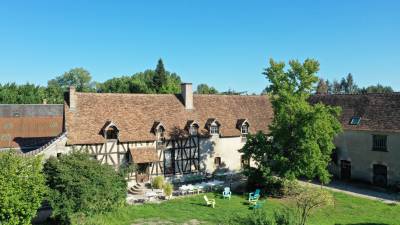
{"points": [[348, 210]]}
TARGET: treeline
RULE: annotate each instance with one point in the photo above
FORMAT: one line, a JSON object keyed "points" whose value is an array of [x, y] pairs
{"points": [[347, 85], [150, 81]]}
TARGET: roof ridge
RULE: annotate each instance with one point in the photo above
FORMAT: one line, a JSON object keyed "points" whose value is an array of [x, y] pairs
{"points": [[356, 94]]}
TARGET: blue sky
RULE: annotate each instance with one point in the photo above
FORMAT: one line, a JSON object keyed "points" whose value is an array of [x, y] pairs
{"points": [[222, 43]]}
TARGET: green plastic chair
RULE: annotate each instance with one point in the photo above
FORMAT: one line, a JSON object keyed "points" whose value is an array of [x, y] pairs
{"points": [[254, 195]]}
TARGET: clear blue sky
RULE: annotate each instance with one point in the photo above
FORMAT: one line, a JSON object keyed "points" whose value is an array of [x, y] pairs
{"points": [[222, 43]]}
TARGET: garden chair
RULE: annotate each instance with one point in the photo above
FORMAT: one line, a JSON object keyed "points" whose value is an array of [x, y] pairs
{"points": [[254, 195], [253, 201], [227, 193], [210, 202]]}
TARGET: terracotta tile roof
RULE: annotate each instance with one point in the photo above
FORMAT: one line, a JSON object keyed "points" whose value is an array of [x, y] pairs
{"points": [[378, 112], [144, 155], [136, 114], [29, 126]]}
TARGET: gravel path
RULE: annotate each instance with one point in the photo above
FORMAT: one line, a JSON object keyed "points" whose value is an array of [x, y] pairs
{"points": [[338, 186]]}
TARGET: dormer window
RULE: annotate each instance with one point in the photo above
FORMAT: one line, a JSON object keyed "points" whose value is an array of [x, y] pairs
{"points": [[213, 126], [160, 133], [244, 129], [243, 126], [214, 129], [111, 132], [193, 129]]}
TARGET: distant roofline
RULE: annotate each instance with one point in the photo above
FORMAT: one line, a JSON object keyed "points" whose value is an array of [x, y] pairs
{"points": [[151, 94], [355, 94]]}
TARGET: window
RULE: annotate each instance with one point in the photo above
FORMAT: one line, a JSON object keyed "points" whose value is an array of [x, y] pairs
{"points": [[379, 143], [214, 129], [193, 130], [217, 161], [244, 162], [245, 129], [355, 120], [112, 133], [160, 133]]}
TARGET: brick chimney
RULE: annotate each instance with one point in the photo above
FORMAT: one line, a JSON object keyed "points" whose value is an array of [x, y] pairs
{"points": [[72, 98], [187, 95]]}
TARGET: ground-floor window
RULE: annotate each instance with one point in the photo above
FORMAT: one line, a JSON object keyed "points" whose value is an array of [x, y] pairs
{"points": [[244, 162], [379, 175], [217, 161]]}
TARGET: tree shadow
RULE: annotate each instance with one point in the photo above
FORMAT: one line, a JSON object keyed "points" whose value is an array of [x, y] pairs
{"points": [[361, 224]]}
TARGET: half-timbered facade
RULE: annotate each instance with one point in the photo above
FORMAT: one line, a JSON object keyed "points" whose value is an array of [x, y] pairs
{"points": [[164, 134]]}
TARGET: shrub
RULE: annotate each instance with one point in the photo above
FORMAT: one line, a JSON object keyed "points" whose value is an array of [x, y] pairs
{"points": [[168, 188], [83, 186], [307, 199], [157, 182], [260, 217], [22, 188], [285, 216]]}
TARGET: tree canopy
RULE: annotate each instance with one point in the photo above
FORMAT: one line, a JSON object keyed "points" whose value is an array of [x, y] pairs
{"points": [[22, 188], [205, 89], [81, 185], [301, 134], [347, 85]]}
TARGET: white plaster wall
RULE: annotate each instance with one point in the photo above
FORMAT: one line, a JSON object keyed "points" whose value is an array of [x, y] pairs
{"points": [[226, 148]]}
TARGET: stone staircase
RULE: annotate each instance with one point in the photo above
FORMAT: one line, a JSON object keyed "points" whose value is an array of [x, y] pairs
{"points": [[138, 189]]}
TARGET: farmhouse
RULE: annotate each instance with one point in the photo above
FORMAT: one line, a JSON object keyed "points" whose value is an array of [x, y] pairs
{"points": [[369, 147], [165, 134]]}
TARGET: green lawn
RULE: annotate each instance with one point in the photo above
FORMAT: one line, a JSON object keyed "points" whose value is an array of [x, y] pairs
{"points": [[348, 210]]}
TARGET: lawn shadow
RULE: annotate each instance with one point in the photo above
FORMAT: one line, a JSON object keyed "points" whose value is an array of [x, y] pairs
{"points": [[361, 224]]}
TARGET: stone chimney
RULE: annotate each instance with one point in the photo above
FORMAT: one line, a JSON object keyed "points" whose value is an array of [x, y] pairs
{"points": [[72, 98], [187, 95]]}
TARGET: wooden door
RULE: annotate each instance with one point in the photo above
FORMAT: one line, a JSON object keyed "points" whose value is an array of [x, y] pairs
{"points": [[380, 175], [345, 170]]}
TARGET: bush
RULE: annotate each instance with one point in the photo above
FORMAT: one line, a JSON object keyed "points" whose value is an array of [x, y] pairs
{"points": [[22, 188], [80, 185], [285, 216], [168, 188], [308, 199], [157, 182], [260, 217]]}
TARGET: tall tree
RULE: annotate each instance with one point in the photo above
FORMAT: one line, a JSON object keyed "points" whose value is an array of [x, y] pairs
{"points": [[302, 133], [160, 76], [350, 87], [78, 77], [205, 89], [322, 87], [336, 87]]}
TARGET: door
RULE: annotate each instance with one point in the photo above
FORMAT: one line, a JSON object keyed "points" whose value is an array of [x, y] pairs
{"points": [[380, 175], [345, 170], [142, 174]]}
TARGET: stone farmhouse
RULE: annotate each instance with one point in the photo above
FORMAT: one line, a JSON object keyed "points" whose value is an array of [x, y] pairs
{"points": [[369, 147], [167, 134]]}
